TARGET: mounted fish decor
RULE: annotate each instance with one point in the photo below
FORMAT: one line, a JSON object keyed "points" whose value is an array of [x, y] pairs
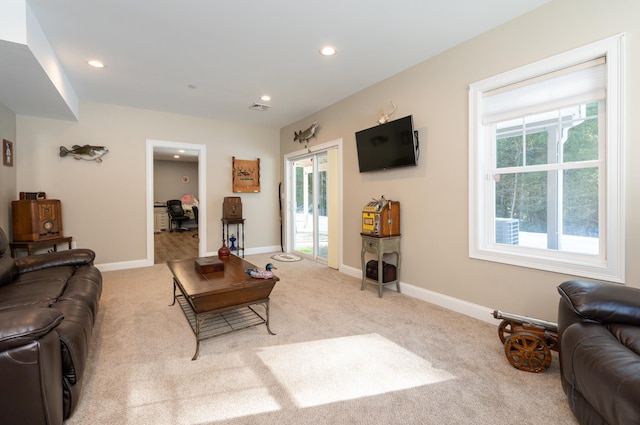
{"points": [[304, 136], [385, 117], [86, 152]]}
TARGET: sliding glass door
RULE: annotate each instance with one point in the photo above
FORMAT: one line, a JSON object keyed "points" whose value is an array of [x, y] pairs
{"points": [[311, 233]]}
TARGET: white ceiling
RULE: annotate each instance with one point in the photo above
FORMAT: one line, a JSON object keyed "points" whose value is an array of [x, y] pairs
{"points": [[235, 51], [169, 154]]}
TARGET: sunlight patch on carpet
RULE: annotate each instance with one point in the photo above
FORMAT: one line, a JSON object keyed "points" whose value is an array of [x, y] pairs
{"points": [[326, 371], [185, 395]]}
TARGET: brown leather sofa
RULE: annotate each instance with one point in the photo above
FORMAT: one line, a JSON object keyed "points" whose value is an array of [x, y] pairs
{"points": [[48, 305], [599, 336]]}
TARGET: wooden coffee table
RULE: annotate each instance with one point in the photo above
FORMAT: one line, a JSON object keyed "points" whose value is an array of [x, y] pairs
{"points": [[220, 302]]}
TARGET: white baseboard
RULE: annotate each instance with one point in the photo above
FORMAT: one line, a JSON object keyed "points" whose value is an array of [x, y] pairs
{"points": [[459, 306], [250, 251], [264, 250], [109, 267]]}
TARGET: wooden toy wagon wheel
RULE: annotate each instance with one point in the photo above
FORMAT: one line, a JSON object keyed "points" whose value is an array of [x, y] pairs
{"points": [[528, 352], [505, 329]]}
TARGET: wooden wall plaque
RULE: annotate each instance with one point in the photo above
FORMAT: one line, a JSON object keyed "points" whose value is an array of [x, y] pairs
{"points": [[246, 175]]}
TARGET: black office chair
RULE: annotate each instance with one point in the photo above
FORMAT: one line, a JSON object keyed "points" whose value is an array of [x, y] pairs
{"points": [[195, 216], [176, 215]]}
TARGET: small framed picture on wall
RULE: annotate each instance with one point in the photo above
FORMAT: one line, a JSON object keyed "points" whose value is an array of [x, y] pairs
{"points": [[7, 153]]}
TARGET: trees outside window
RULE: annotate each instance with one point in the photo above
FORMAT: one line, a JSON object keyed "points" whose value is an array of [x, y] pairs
{"points": [[547, 178]]}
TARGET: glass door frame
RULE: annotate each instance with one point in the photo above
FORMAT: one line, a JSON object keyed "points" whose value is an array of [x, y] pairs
{"points": [[289, 207], [310, 165]]}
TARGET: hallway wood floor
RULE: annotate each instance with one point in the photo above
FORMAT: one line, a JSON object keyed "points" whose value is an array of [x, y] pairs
{"points": [[175, 245]]}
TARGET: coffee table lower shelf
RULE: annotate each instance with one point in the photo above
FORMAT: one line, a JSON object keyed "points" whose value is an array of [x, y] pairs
{"points": [[219, 322]]}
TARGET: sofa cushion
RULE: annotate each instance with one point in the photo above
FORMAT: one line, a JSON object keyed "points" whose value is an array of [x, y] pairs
{"points": [[85, 286], [628, 335], [60, 272], [75, 336], [603, 302], [21, 326], [605, 372], [32, 382], [43, 292], [71, 257], [8, 269]]}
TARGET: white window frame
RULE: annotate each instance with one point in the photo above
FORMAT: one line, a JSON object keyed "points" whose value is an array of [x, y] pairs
{"points": [[610, 264]]}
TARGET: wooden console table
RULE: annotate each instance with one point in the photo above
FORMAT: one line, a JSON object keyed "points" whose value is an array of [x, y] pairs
{"points": [[380, 246], [30, 246]]}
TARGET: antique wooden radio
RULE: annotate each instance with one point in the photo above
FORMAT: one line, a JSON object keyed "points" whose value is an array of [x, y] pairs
{"points": [[36, 220], [33, 195], [381, 218], [232, 208]]}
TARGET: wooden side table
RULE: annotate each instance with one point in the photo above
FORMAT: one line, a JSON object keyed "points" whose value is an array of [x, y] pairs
{"points": [[380, 246], [30, 246]]}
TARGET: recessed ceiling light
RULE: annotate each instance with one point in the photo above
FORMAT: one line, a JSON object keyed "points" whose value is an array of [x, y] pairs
{"points": [[176, 156], [328, 51], [95, 63], [265, 98], [181, 151]]}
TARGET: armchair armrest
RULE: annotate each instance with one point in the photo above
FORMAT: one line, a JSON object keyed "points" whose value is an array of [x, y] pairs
{"points": [[602, 302], [71, 257], [20, 326]]}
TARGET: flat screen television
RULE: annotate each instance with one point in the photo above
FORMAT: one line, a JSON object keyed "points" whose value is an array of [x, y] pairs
{"points": [[389, 145]]}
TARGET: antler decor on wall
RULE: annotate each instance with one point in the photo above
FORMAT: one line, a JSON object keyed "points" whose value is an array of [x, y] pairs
{"points": [[385, 117]]}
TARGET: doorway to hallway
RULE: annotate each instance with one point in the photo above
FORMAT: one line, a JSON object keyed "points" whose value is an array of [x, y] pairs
{"points": [[154, 146]]}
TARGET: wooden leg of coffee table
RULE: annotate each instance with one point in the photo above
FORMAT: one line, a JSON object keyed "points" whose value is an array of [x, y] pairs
{"points": [[174, 292], [266, 307], [198, 322]]}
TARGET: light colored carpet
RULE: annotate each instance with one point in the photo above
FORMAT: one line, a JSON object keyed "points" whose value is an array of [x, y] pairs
{"points": [[347, 368], [286, 257], [340, 356]]}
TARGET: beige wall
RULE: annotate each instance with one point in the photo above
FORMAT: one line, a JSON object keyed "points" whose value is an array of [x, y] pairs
{"points": [[104, 205], [167, 180], [7, 174], [433, 195]]}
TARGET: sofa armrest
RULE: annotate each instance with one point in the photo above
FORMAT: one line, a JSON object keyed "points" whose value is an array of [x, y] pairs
{"points": [[70, 257], [20, 326], [602, 302]]}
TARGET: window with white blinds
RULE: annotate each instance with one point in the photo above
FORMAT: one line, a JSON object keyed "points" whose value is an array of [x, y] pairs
{"points": [[581, 83], [546, 179]]}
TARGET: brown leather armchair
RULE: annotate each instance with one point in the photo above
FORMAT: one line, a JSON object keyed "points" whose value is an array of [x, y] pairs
{"points": [[599, 337]]}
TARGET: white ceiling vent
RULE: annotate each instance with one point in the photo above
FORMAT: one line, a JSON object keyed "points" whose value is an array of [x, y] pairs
{"points": [[259, 107]]}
